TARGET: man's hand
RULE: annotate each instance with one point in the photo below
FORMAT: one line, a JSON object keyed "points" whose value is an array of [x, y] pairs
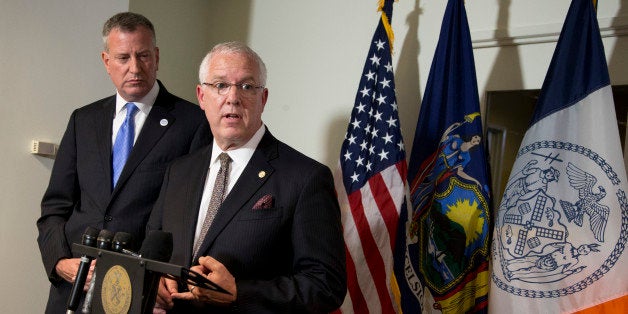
{"points": [[217, 273], [67, 268], [167, 287]]}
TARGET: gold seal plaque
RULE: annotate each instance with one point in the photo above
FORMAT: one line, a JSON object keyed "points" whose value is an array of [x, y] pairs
{"points": [[116, 291]]}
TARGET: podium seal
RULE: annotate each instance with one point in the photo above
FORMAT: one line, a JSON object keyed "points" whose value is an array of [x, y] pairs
{"points": [[116, 291]]}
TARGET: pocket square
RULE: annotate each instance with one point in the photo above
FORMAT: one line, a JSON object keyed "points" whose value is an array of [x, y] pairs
{"points": [[267, 201]]}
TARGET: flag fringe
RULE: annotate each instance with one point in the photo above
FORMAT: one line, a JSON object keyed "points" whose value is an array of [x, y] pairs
{"points": [[387, 27]]}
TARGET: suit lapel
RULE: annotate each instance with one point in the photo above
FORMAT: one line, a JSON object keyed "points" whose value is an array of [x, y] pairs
{"points": [[196, 185], [103, 138], [157, 123], [255, 175]]}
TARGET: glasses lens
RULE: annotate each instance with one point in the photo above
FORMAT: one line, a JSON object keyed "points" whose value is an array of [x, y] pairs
{"points": [[246, 89]]}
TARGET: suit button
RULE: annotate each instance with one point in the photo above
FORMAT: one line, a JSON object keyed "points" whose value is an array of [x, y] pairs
{"points": [[108, 218]]}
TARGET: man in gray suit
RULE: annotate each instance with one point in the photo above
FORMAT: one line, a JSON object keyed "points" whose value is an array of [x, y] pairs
{"points": [[93, 185], [274, 236]]}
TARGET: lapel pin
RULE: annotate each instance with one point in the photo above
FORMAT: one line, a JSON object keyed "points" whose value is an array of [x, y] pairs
{"points": [[261, 174], [163, 122]]}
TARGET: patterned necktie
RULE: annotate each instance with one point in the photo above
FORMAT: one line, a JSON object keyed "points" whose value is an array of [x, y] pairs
{"points": [[124, 142], [218, 194]]}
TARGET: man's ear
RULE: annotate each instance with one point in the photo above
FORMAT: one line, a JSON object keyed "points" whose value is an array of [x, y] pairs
{"points": [[105, 60], [200, 95]]}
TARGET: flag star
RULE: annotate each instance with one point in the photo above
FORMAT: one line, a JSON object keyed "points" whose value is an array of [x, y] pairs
{"points": [[391, 122], [375, 60], [347, 156], [374, 132], [355, 123], [367, 128], [378, 116], [370, 75], [387, 138], [401, 147], [394, 106], [371, 149], [359, 161], [354, 177], [360, 108], [363, 145], [351, 139], [380, 44], [385, 83], [368, 166], [371, 112], [383, 155], [365, 91], [381, 99], [388, 67]]}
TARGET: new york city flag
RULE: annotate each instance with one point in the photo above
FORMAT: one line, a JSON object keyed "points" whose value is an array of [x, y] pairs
{"points": [[562, 223]]}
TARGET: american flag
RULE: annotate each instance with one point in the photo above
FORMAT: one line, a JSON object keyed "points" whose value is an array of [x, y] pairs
{"points": [[371, 182]]}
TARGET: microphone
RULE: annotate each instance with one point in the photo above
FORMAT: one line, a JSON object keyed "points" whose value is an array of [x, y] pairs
{"points": [[156, 246], [89, 238], [121, 240], [103, 242]]}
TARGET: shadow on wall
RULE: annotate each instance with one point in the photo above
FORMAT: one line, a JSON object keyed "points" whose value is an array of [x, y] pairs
{"points": [[618, 61], [190, 29], [407, 72], [506, 68]]}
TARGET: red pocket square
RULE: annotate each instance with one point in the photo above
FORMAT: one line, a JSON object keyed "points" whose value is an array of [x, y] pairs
{"points": [[267, 201]]}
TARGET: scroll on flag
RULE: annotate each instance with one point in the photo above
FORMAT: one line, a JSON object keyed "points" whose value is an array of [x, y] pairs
{"points": [[372, 180], [562, 224], [442, 263]]}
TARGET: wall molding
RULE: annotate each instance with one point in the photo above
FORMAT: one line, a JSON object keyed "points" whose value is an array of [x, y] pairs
{"points": [[534, 34]]}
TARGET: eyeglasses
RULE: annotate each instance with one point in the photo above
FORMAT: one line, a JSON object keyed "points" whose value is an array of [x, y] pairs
{"points": [[222, 88]]}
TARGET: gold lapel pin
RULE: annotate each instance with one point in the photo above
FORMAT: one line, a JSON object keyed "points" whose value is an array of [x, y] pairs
{"points": [[261, 174]]}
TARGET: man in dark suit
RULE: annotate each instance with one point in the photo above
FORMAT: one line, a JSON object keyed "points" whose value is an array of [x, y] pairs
{"points": [[275, 242], [85, 188]]}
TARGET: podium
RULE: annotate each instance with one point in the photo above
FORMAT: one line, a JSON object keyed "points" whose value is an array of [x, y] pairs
{"points": [[128, 284]]}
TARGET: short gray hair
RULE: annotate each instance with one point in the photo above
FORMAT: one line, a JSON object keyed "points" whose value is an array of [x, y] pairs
{"points": [[126, 22], [232, 47]]}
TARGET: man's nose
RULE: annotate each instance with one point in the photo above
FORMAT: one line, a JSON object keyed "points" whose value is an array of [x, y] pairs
{"points": [[134, 65]]}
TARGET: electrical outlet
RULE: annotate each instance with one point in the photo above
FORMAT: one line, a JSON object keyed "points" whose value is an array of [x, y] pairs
{"points": [[44, 149]]}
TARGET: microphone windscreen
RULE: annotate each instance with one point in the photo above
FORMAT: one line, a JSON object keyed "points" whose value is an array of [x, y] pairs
{"points": [[122, 240], [104, 239], [89, 237], [157, 246]]}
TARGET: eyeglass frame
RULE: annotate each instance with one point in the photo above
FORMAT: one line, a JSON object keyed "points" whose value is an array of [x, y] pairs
{"points": [[239, 86]]}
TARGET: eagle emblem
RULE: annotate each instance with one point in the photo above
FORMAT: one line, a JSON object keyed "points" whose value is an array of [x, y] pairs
{"points": [[587, 203]]}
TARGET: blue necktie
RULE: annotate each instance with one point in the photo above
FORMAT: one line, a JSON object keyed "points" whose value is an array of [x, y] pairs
{"points": [[124, 142]]}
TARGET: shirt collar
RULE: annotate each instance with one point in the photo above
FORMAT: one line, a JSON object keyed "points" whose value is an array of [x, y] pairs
{"points": [[243, 153], [144, 104]]}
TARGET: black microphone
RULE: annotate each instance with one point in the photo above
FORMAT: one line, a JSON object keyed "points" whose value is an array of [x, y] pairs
{"points": [[119, 243], [103, 242], [156, 246], [122, 241], [89, 238]]}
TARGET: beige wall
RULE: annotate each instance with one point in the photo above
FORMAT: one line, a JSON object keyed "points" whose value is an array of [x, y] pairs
{"points": [[49, 65], [314, 50]]}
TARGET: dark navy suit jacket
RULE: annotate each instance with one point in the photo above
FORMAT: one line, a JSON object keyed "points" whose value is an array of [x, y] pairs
{"points": [[79, 193], [278, 230]]}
